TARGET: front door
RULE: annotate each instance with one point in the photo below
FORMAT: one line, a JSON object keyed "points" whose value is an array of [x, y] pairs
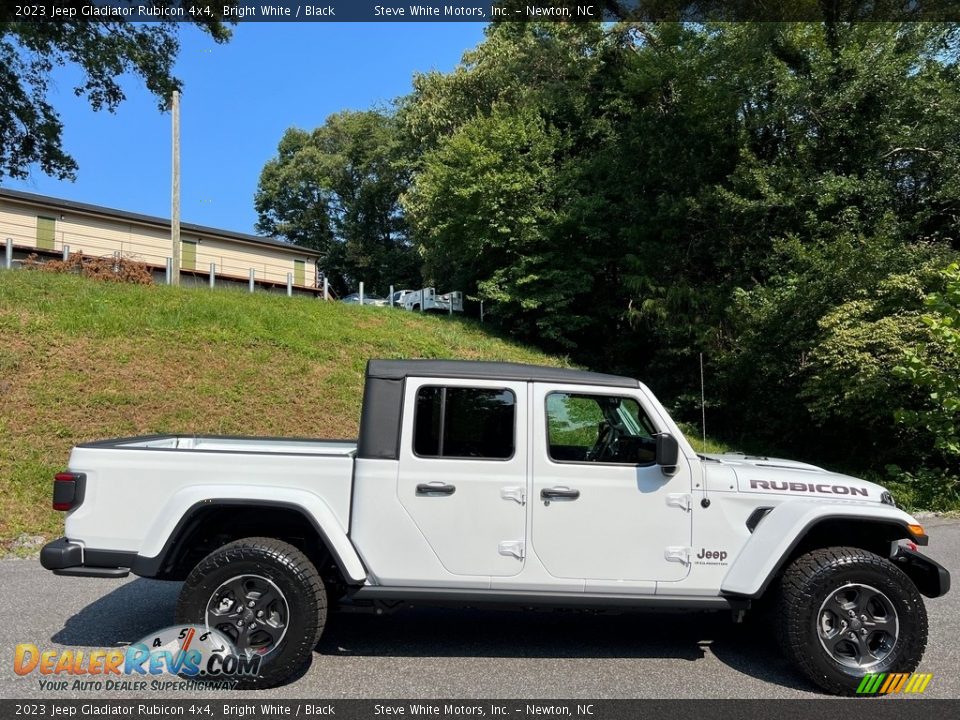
{"points": [[602, 509], [189, 255], [463, 472], [46, 233]]}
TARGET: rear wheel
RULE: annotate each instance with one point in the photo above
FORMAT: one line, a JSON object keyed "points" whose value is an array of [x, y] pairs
{"points": [[845, 612], [266, 596]]}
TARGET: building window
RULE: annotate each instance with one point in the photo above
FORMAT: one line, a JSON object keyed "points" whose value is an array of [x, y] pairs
{"points": [[463, 422], [299, 272], [188, 259], [46, 231]]}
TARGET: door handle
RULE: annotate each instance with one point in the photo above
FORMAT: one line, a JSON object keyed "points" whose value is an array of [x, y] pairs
{"points": [[428, 489], [559, 494]]}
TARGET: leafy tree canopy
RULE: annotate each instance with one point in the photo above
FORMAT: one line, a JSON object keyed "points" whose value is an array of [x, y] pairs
{"points": [[639, 193], [30, 128], [777, 196], [337, 189], [935, 368]]}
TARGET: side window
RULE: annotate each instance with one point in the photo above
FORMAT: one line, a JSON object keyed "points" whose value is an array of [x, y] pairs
{"points": [[464, 422], [598, 429]]}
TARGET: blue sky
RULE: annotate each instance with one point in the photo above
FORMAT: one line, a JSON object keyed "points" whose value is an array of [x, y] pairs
{"points": [[238, 99]]}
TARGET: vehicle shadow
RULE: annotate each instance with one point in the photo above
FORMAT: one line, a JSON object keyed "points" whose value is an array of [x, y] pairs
{"points": [[122, 616], [138, 608], [436, 632], [442, 632], [751, 649]]}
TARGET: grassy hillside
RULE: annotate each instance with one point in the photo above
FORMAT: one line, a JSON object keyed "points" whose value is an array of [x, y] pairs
{"points": [[81, 360]]}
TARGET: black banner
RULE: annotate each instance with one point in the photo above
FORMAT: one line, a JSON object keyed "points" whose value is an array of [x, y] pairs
{"points": [[481, 10], [249, 707]]}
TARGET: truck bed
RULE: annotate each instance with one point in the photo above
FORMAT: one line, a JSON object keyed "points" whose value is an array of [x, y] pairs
{"points": [[219, 443], [161, 477]]}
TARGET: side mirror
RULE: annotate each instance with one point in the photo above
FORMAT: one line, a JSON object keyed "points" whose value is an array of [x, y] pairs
{"points": [[668, 451]]}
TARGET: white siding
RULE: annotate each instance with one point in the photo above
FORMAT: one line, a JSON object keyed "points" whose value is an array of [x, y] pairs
{"points": [[100, 236], [18, 223]]}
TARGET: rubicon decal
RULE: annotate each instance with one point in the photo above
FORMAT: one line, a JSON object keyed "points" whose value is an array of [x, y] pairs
{"points": [[783, 486], [191, 652], [890, 683]]}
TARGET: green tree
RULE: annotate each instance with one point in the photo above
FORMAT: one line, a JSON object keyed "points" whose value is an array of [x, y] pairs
{"points": [[485, 208], [30, 128], [337, 189], [853, 388], [935, 368], [846, 173], [492, 147], [750, 191], [547, 67]]}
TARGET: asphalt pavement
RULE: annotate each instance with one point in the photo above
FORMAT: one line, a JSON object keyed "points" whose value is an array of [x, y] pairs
{"points": [[443, 653]]}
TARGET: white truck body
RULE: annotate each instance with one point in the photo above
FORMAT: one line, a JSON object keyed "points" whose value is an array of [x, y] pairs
{"points": [[473, 482], [168, 476], [427, 299], [495, 532]]}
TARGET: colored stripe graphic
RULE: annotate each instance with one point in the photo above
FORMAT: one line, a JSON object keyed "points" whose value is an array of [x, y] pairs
{"points": [[897, 684], [871, 683], [888, 684]]}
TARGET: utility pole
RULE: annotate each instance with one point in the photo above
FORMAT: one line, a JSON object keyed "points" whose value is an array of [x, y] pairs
{"points": [[175, 190]]}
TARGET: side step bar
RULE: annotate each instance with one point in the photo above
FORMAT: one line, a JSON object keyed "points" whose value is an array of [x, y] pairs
{"points": [[387, 598]]}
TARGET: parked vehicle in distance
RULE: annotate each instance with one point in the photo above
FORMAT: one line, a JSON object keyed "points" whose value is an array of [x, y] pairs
{"points": [[502, 484], [423, 300], [427, 299], [354, 299], [396, 300]]}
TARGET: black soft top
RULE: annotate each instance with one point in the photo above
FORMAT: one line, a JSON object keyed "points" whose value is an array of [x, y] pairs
{"points": [[473, 369], [383, 392]]}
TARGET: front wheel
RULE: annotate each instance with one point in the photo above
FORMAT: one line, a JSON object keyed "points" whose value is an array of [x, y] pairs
{"points": [[844, 613], [266, 597]]}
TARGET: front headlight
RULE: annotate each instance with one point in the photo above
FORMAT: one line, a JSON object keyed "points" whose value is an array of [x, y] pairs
{"points": [[887, 499]]}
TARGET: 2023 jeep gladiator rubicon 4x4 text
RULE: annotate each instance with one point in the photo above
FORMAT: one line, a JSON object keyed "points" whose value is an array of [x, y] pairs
{"points": [[500, 483]]}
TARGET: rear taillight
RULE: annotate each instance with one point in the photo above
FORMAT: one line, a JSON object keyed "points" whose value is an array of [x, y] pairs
{"points": [[68, 490]]}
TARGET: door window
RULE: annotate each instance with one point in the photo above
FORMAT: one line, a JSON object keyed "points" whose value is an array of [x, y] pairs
{"points": [[599, 429], [463, 422]]}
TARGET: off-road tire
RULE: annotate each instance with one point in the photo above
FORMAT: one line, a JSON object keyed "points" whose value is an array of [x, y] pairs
{"points": [[296, 577], [808, 583]]}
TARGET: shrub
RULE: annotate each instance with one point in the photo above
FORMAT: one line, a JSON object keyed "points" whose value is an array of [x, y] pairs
{"points": [[923, 489], [111, 269], [935, 368]]}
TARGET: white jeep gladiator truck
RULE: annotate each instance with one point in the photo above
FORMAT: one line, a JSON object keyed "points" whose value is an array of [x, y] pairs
{"points": [[505, 484]]}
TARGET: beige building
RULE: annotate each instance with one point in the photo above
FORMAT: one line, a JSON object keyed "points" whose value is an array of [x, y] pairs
{"points": [[46, 225]]}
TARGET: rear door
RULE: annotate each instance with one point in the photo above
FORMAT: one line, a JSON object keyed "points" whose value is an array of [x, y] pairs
{"points": [[463, 472], [602, 510]]}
